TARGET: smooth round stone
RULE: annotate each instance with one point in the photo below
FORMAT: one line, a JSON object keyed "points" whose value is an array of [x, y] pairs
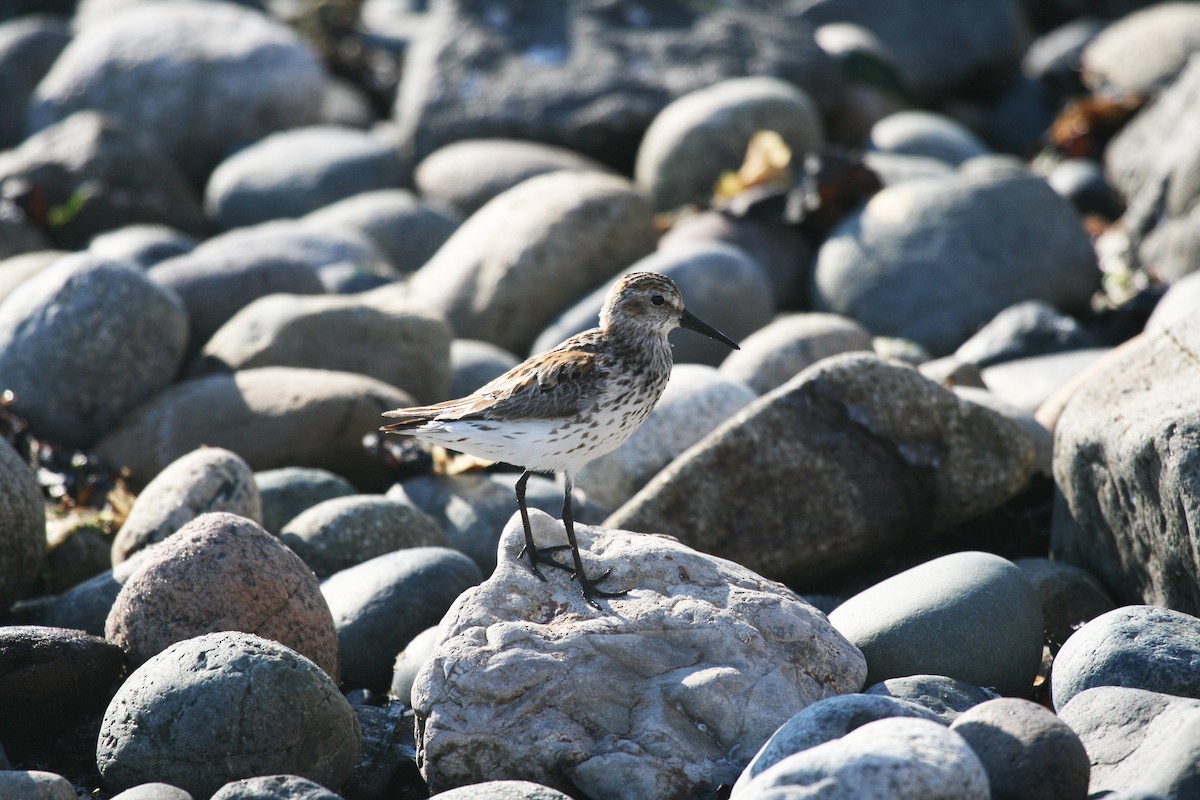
{"points": [[287, 491], [143, 245], [926, 134], [502, 790], [204, 480], [1179, 303], [1083, 183], [1070, 596], [874, 87], [101, 175], [697, 399], [33, 784], [474, 363], [1142, 52], [274, 787], [222, 572], [153, 791], [271, 416], [720, 284], [344, 531], [971, 616], [380, 605], [265, 72], [774, 354], [134, 330], [28, 48], [1140, 647], [897, 168], [705, 133], [22, 527], [1054, 57], [825, 721], [1029, 328], [944, 697], [897, 758], [1027, 383], [466, 175], [409, 663], [225, 706], [290, 173], [1028, 752], [408, 230]]}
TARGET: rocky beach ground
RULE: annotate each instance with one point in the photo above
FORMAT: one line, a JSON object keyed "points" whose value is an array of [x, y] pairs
{"points": [[931, 533]]}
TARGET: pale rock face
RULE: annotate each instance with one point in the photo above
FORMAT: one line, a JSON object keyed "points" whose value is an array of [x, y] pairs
{"points": [[667, 691]]}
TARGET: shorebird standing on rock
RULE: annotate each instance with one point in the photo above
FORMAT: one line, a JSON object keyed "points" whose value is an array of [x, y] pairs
{"points": [[563, 408]]}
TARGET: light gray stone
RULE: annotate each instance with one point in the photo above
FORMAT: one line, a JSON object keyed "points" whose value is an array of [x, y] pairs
{"points": [[502, 790], [1027, 383], [945, 697], [153, 791], [274, 787], [926, 134], [1141, 53], [409, 663], [776, 353], [33, 784], [142, 245]]}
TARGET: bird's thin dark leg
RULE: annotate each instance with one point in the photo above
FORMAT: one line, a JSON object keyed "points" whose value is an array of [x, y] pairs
{"points": [[536, 556], [590, 592]]}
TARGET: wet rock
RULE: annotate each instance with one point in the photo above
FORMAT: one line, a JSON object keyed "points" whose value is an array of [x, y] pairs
{"points": [[22, 527], [774, 354], [882, 454], [667, 689], [225, 706], [222, 572], [945, 697], [204, 480], [287, 491]]}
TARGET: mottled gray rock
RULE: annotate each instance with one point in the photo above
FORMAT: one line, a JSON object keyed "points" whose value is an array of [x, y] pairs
{"points": [[1128, 473], [28, 48], [380, 605], [153, 791], [410, 661], [502, 790], [510, 268], [1140, 647], [1140, 742], [344, 531], [971, 616], [93, 174], [290, 173], [84, 342], [408, 348], [465, 175], [588, 76], [405, 228], [1141, 53], [926, 134], [1069, 596], [890, 759], [776, 353], [720, 284], [883, 455], [22, 526], [664, 691], [222, 572], [274, 787], [1029, 753], [204, 480], [225, 706], [33, 784], [1029, 328], [287, 491], [696, 400], [272, 417], [911, 262], [824, 721], [705, 133], [474, 363], [116, 66], [1043, 439], [142, 245], [945, 697]]}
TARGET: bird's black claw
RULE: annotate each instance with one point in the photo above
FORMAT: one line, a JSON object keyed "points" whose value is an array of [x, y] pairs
{"points": [[540, 555], [591, 592]]}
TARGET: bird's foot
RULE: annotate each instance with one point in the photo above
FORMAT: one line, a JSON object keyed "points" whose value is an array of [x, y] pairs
{"points": [[541, 555], [591, 592]]}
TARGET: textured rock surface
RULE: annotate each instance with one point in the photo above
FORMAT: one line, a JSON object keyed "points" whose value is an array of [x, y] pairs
{"points": [[882, 454], [946, 697], [22, 526], [664, 692]]}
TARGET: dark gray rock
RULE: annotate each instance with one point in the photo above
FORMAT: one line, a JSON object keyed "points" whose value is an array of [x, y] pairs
{"points": [[407, 230], [777, 352], [470, 508], [704, 133], [824, 721], [272, 417], [720, 284], [478, 71], [142, 245], [1140, 647], [339, 533], [204, 480], [1083, 184], [117, 66], [926, 134], [1141, 53], [916, 273], [883, 454], [474, 363], [1069, 596], [22, 527], [287, 491], [85, 342], [971, 616], [274, 787], [945, 697], [1029, 753], [19, 233], [380, 605], [386, 762], [225, 706], [1128, 473], [84, 606], [290, 173], [28, 47], [1029, 328]]}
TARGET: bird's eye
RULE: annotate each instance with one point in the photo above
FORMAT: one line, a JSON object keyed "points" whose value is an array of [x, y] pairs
{"points": [[657, 300]]}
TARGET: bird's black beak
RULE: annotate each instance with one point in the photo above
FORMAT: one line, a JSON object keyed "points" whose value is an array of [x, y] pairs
{"points": [[693, 323]]}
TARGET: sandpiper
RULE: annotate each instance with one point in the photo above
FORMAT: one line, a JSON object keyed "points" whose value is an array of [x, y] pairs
{"points": [[563, 408]]}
